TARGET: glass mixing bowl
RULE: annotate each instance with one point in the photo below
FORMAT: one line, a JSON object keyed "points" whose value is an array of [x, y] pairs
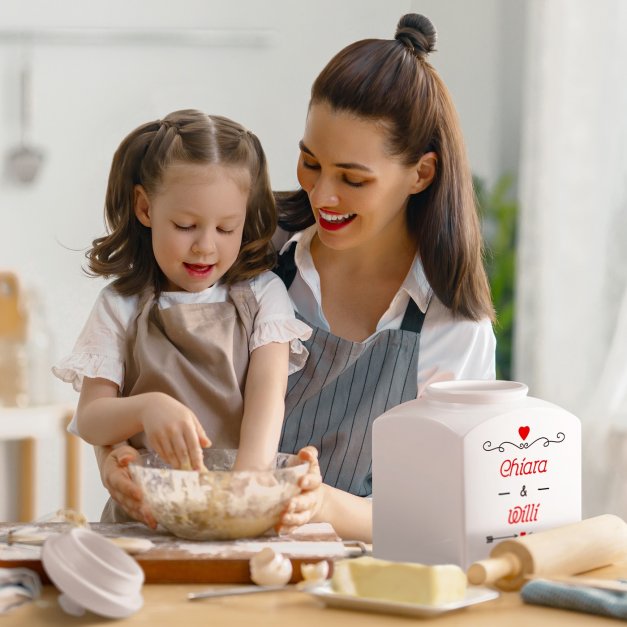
{"points": [[220, 504]]}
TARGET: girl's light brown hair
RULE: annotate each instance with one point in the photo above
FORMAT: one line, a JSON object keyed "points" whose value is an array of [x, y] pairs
{"points": [[187, 136], [391, 82]]}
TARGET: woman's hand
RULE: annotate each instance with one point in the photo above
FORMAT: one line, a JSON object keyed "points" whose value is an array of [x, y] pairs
{"points": [[117, 479], [305, 506]]}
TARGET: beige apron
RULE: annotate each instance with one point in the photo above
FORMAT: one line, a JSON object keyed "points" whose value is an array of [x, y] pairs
{"points": [[198, 354]]}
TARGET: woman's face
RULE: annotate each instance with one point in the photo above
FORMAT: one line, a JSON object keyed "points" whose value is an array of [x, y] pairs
{"points": [[358, 192]]}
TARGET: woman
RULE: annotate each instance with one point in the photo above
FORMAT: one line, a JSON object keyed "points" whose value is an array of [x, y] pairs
{"points": [[385, 264]]}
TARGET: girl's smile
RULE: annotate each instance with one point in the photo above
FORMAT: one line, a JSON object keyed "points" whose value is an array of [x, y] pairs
{"points": [[198, 271]]}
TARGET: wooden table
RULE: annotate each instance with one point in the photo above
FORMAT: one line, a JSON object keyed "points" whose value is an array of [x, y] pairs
{"points": [[168, 605]]}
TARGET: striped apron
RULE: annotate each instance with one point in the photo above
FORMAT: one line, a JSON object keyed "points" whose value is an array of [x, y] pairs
{"points": [[332, 402]]}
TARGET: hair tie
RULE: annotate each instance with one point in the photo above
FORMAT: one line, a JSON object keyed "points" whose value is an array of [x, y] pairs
{"points": [[167, 124]]}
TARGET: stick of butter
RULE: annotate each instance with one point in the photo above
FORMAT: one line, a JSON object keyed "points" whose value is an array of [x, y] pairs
{"points": [[399, 581]]}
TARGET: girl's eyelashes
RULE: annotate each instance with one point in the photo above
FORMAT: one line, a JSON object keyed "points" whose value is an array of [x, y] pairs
{"points": [[182, 227], [310, 166]]}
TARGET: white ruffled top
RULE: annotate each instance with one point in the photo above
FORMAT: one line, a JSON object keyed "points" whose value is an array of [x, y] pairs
{"points": [[100, 348]]}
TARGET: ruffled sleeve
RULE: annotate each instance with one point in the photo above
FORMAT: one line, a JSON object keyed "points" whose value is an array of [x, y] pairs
{"points": [[276, 322], [284, 330], [74, 367], [100, 348]]}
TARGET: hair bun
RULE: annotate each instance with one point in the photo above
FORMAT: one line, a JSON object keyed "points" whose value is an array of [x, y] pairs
{"points": [[417, 33]]}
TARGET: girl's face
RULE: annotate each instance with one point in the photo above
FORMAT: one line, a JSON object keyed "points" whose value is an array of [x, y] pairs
{"points": [[358, 192], [197, 219]]}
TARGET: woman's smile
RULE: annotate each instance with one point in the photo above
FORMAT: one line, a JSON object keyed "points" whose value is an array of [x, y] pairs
{"points": [[332, 221]]}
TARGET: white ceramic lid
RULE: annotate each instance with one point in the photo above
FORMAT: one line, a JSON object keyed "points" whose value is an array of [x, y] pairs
{"points": [[92, 573]]}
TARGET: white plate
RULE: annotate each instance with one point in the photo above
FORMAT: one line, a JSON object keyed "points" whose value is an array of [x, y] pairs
{"points": [[324, 592]]}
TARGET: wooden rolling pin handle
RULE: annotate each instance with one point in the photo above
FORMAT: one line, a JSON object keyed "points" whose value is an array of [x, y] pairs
{"points": [[490, 570]]}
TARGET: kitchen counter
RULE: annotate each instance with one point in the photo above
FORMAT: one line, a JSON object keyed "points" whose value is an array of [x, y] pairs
{"points": [[168, 605]]}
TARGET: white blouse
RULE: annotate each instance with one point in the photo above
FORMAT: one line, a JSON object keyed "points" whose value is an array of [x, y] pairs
{"points": [[100, 349], [450, 348]]}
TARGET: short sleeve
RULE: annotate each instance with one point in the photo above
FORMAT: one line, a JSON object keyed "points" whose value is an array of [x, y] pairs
{"points": [[100, 348], [276, 322]]}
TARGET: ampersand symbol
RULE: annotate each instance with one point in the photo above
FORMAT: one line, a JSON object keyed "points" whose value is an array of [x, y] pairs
{"points": [[523, 492]]}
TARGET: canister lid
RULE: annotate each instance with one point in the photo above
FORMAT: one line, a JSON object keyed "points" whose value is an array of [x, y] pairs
{"points": [[476, 391]]}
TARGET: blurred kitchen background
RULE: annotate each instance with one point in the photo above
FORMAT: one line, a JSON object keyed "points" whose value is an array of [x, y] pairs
{"points": [[540, 90]]}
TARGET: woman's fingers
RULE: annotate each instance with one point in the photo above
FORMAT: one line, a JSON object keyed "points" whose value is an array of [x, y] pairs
{"points": [[117, 478], [123, 489]]}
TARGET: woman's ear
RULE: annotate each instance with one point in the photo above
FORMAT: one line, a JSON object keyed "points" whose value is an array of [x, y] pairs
{"points": [[141, 205], [425, 171]]}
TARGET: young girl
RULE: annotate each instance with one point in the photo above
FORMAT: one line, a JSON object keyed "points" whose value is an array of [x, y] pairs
{"points": [[189, 345]]}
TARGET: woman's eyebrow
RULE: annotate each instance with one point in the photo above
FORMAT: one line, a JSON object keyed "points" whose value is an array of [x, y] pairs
{"points": [[345, 166]]}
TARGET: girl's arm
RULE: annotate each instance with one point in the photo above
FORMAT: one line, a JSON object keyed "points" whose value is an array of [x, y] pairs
{"points": [[350, 515], [264, 406], [172, 430]]}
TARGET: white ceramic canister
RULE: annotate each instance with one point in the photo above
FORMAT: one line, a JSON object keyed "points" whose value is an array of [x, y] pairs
{"points": [[468, 464]]}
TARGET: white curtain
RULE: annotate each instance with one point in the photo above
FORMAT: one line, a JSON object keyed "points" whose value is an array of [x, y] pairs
{"points": [[571, 330]]}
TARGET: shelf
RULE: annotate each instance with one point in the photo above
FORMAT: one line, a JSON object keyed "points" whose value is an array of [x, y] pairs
{"points": [[185, 37]]}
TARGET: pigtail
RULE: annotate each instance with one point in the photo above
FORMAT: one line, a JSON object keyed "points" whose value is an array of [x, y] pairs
{"points": [[126, 251], [257, 252]]}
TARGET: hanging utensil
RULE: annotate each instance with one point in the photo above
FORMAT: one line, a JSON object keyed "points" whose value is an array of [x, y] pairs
{"points": [[24, 161]]}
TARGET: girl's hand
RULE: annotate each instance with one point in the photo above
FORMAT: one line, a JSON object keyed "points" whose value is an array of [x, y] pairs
{"points": [[305, 506], [117, 479], [173, 432]]}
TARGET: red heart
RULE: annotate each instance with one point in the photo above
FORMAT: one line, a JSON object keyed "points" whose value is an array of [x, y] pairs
{"points": [[523, 432]]}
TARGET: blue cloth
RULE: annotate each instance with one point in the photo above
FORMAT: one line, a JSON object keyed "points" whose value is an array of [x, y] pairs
{"points": [[576, 598], [17, 586]]}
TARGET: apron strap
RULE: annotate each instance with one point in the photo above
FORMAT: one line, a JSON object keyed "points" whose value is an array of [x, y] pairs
{"points": [[413, 318], [286, 266], [286, 271]]}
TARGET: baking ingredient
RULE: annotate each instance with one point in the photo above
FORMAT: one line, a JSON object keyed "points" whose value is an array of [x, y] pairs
{"points": [[218, 504], [133, 546], [269, 568], [313, 573], [399, 581], [75, 518]]}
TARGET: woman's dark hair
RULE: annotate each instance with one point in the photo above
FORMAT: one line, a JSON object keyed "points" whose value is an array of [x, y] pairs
{"points": [[390, 81], [187, 136]]}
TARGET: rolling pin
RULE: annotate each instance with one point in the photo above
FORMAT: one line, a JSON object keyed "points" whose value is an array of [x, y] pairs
{"points": [[567, 550]]}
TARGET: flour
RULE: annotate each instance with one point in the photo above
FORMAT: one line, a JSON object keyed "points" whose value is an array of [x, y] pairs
{"points": [[218, 504]]}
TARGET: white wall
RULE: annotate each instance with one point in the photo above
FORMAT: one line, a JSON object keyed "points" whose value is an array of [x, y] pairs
{"points": [[87, 97]]}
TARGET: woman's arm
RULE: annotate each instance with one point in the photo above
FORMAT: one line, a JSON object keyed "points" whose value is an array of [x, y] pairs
{"points": [[172, 430], [264, 406], [350, 515]]}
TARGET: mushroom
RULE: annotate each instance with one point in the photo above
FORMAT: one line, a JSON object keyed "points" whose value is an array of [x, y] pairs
{"points": [[268, 568]]}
